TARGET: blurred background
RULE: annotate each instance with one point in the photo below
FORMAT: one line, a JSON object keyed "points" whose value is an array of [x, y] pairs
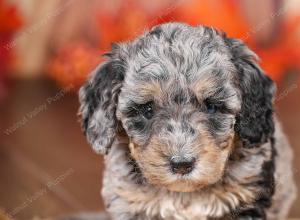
{"points": [[47, 49]]}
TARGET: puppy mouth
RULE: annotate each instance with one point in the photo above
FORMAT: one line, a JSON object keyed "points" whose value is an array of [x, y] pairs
{"points": [[180, 183], [186, 186]]}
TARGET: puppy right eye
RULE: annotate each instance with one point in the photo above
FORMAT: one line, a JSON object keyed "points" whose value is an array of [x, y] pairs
{"points": [[146, 110]]}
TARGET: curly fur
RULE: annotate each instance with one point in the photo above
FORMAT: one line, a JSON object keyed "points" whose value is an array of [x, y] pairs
{"points": [[242, 167]]}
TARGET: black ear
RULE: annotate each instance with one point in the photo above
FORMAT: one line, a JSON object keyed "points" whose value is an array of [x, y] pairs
{"points": [[254, 123], [98, 99]]}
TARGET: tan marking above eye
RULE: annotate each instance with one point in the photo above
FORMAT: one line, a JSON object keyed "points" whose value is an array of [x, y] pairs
{"points": [[204, 88], [150, 89]]}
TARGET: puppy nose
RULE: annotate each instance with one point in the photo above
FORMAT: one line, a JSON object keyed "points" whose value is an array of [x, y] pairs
{"points": [[182, 165]]}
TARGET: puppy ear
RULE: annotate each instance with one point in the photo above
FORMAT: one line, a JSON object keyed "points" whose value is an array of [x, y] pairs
{"points": [[98, 99], [254, 123]]}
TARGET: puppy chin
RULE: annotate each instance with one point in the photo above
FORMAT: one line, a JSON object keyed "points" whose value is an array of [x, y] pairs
{"points": [[183, 186]]}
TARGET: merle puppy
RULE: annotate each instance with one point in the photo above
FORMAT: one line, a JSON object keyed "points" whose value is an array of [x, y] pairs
{"points": [[184, 117]]}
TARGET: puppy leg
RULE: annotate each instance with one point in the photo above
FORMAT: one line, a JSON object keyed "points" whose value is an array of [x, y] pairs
{"points": [[256, 213], [87, 216], [130, 216]]}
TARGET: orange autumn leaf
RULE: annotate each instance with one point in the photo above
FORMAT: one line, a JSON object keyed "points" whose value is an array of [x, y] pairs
{"points": [[124, 25], [223, 15], [73, 63], [10, 19], [284, 54], [10, 22]]}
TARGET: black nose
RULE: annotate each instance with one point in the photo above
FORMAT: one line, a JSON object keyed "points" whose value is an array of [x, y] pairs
{"points": [[182, 165]]}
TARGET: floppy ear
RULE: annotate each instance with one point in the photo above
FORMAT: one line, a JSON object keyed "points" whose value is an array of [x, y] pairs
{"points": [[98, 99], [254, 123]]}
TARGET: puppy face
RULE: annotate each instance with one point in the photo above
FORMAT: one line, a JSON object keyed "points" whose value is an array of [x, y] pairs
{"points": [[180, 110], [178, 101]]}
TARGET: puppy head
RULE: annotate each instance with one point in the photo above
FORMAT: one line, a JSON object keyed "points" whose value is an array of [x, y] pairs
{"points": [[182, 94]]}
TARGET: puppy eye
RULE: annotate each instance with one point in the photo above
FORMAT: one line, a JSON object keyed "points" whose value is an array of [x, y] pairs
{"points": [[147, 110], [211, 107]]}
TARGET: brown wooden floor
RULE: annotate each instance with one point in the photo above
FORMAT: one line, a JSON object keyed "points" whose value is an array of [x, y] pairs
{"points": [[46, 166]]}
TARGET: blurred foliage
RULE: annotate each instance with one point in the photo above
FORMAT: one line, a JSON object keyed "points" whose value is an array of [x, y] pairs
{"points": [[131, 19], [73, 61], [10, 22]]}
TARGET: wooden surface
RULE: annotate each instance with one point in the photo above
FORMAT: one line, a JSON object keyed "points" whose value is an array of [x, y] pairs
{"points": [[47, 168]]}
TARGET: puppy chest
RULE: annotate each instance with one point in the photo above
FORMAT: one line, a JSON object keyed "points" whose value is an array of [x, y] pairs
{"points": [[175, 206]]}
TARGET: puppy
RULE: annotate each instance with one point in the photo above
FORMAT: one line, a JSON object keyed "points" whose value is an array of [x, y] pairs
{"points": [[184, 117]]}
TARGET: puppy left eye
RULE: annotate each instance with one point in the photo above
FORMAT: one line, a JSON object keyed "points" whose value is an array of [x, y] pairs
{"points": [[147, 110], [211, 108]]}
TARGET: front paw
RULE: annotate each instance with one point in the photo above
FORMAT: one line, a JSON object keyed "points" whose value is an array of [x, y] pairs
{"points": [[251, 214]]}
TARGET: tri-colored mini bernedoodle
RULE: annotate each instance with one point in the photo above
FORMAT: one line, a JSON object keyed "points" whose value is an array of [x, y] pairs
{"points": [[184, 117]]}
